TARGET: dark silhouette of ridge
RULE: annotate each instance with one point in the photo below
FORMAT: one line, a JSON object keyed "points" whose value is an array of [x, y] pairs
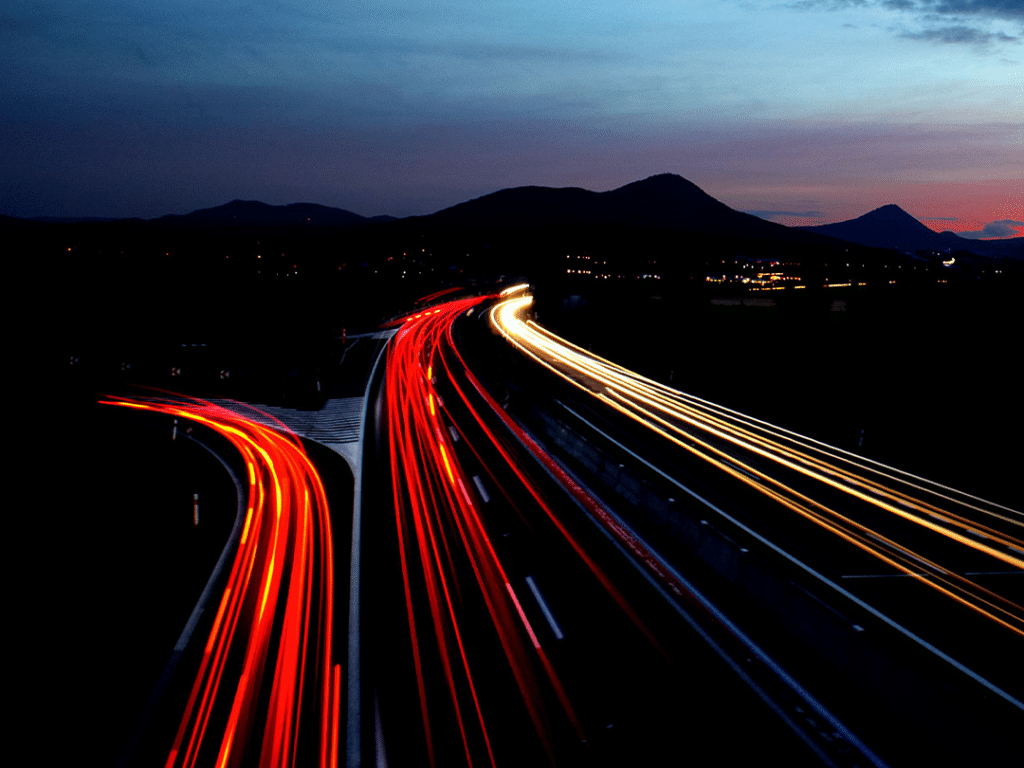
{"points": [[249, 213], [15, 222], [664, 205], [76, 219], [892, 227], [665, 201], [889, 227]]}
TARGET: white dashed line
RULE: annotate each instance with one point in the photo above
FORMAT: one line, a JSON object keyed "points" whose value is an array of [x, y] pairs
{"points": [[480, 488], [544, 607]]}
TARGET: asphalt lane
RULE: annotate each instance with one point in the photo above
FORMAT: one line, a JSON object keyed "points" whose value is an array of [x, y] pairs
{"points": [[602, 670]]}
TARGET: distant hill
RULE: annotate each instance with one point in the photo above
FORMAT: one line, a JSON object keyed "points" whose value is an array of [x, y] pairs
{"points": [[888, 227], [13, 222], [661, 205], [892, 227], [74, 219], [251, 213], [665, 201]]}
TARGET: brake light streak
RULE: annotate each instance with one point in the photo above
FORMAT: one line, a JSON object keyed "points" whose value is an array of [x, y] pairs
{"points": [[438, 522], [268, 659]]}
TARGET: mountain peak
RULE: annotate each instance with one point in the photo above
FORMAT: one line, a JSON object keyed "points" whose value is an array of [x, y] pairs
{"points": [[664, 201], [886, 227], [890, 212], [661, 179], [893, 220], [662, 184]]}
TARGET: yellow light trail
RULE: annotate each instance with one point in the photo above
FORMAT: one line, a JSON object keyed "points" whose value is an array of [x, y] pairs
{"points": [[798, 474]]}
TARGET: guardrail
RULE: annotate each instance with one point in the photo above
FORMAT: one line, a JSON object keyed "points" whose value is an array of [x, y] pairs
{"points": [[355, 728], [869, 653]]}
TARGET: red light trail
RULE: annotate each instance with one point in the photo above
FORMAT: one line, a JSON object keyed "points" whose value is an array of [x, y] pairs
{"points": [[440, 524], [435, 513], [268, 660]]}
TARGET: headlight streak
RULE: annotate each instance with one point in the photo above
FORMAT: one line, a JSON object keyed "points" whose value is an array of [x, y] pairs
{"points": [[514, 289], [844, 527], [724, 438], [746, 440], [268, 633], [838, 454]]}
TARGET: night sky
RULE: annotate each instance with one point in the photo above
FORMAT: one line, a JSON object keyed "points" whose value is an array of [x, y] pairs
{"points": [[803, 111]]}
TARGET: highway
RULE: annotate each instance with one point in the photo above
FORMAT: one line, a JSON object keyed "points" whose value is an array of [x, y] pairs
{"points": [[556, 561], [266, 686], [517, 621], [942, 569]]}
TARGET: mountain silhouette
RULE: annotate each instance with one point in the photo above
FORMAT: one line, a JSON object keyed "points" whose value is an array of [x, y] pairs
{"points": [[665, 201], [247, 213], [662, 206], [891, 227]]}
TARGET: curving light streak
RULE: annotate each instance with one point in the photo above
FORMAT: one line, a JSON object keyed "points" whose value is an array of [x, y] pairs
{"points": [[514, 289], [268, 660], [438, 524], [798, 473]]}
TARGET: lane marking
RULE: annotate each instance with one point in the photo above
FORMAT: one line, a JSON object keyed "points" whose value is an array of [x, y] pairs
{"points": [[480, 487], [454, 433], [544, 608]]}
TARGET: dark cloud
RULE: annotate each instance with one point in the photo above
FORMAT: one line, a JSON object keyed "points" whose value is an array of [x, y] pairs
{"points": [[959, 34], [1003, 9], [942, 21], [901, 5], [1003, 228], [939, 218], [999, 9], [773, 214]]}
